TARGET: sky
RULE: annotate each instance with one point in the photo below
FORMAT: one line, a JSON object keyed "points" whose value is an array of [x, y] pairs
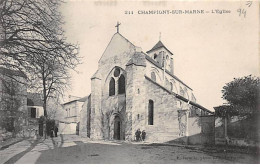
{"points": [[209, 49]]}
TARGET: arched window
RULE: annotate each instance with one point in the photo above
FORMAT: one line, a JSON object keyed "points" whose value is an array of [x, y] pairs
{"points": [[121, 85], [171, 86], [112, 87], [153, 76], [193, 97], [117, 72], [150, 113], [168, 84], [186, 95], [174, 87], [181, 92], [155, 56]]}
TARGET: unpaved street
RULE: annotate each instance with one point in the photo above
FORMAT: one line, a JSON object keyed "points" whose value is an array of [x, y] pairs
{"points": [[73, 149]]}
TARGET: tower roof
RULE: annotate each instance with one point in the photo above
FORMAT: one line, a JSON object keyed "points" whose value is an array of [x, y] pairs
{"points": [[159, 45]]}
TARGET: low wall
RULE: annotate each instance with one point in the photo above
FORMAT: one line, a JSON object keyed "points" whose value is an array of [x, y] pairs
{"points": [[29, 131], [67, 128], [243, 132], [201, 130]]}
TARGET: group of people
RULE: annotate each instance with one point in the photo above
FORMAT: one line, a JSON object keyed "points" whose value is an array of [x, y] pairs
{"points": [[140, 136], [54, 131]]}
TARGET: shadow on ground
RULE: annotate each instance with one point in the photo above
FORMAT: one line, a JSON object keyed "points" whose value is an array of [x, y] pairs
{"points": [[20, 155], [125, 153]]}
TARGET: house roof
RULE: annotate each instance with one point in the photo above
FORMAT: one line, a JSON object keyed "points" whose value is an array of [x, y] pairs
{"points": [[10, 72], [158, 46], [83, 99], [34, 99]]}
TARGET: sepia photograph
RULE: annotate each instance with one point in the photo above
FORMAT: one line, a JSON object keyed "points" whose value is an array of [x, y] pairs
{"points": [[129, 82]]}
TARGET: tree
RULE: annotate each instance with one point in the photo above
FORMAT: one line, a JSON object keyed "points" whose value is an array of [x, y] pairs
{"points": [[32, 40], [12, 100], [242, 95]]}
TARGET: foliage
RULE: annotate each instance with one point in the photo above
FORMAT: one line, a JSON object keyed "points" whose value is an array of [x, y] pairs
{"points": [[242, 91], [33, 41], [10, 101], [242, 95]]}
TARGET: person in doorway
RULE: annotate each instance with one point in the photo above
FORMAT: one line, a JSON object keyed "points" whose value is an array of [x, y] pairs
{"points": [[143, 135], [56, 131]]}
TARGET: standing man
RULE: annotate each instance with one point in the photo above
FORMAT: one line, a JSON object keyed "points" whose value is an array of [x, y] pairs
{"points": [[143, 135], [56, 131], [52, 132], [138, 135]]}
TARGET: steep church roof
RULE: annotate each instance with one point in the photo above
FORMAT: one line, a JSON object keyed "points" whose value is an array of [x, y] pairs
{"points": [[159, 45]]}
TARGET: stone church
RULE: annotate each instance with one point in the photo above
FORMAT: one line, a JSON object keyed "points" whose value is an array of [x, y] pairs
{"points": [[132, 90]]}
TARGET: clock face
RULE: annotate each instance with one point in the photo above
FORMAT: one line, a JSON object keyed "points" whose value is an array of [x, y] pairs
{"points": [[117, 72]]}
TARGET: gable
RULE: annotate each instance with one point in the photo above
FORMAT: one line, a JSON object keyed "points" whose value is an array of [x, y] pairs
{"points": [[118, 46]]}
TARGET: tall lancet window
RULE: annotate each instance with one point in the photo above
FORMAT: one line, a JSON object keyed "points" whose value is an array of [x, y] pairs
{"points": [[150, 112], [112, 87], [121, 85], [171, 86]]}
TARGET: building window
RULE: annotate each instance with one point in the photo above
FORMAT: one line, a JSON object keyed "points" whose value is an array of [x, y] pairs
{"points": [[171, 86], [117, 72], [167, 84], [186, 95], [68, 112], [174, 88], [155, 56], [121, 85], [112, 87], [150, 112], [193, 97], [181, 92], [153, 76], [33, 112]]}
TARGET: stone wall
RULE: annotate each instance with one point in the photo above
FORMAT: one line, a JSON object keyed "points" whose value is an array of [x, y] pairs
{"points": [[238, 132], [201, 130], [166, 124], [113, 56], [136, 101], [113, 106], [84, 128], [172, 122]]}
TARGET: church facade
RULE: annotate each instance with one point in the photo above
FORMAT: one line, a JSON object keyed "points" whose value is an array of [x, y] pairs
{"points": [[134, 90]]}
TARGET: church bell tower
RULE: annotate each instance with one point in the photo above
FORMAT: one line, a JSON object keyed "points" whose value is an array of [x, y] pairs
{"points": [[160, 54]]}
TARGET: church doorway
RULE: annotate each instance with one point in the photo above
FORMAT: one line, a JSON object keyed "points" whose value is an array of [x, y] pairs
{"points": [[117, 128]]}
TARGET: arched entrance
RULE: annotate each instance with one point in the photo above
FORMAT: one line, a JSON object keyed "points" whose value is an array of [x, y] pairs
{"points": [[117, 128]]}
